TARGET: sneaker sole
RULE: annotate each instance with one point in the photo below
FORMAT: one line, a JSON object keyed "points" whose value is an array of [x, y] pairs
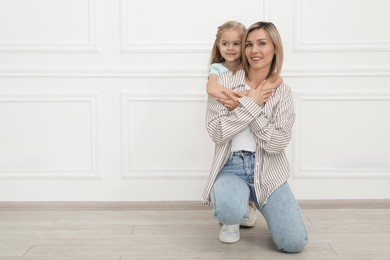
{"points": [[248, 224], [229, 241]]}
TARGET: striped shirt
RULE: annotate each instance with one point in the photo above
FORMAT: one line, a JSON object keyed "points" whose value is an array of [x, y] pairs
{"points": [[271, 123]]}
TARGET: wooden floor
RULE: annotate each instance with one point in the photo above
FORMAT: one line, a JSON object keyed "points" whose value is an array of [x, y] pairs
{"points": [[187, 233]]}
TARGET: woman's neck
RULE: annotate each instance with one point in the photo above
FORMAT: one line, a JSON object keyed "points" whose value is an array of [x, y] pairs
{"points": [[255, 77]]}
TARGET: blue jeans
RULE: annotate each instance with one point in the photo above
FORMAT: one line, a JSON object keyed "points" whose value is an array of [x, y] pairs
{"points": [[234, 188]]}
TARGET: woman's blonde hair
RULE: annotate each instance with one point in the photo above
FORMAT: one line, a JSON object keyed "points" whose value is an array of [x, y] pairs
{"points": [[277, 61], [216, 56]]}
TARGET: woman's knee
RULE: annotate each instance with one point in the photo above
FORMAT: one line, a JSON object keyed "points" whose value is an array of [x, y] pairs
{"points": [[295, 245], [229, 197], [228, 210], [229, 213], [285, 221]]}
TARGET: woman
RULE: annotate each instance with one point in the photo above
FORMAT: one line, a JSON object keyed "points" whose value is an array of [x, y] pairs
{"points": [[249, 161]]}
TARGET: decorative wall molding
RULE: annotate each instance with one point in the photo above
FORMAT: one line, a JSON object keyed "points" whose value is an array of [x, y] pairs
{"points": [[104, 72], [38, 96], [129, 43], [172, 72], [336, 72], [266, 10], [59, 47], [127, 101], [332, 173], [300, 45], [155, 46]]}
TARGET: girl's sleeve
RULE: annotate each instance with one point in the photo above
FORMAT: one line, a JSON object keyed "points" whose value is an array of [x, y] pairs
{"points": [[217, 69]]}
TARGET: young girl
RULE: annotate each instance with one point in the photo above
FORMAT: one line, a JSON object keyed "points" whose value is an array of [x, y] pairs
{"points": [[226, 57]]}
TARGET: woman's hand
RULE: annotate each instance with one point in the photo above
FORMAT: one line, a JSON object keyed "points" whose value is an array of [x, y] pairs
{"points": [[261, 93]]}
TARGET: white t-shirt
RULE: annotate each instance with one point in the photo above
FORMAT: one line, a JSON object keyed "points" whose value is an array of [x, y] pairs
{"points": [[244, 140]]}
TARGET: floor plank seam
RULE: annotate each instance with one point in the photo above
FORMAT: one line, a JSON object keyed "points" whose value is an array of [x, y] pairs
{"points": [[55, 222], [25, 254], [132, 230], [334, 250]]}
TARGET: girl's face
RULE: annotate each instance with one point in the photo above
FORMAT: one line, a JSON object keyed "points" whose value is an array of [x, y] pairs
{"points": [[259, 50], [230, 45]]}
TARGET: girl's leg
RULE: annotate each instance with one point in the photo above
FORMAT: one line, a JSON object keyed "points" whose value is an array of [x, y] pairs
{"points": [[229, 197], [285, 220]]}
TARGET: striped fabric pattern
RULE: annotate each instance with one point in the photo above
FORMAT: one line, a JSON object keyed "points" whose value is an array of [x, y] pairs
{"points": [[271, 124]]}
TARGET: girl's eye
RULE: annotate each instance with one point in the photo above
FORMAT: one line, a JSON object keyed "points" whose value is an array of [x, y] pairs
{"points": [[237, 44]]}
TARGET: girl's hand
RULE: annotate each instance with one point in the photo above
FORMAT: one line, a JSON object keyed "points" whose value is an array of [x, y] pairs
{"points": [[231, 100], [274, 81], [242, 93]]}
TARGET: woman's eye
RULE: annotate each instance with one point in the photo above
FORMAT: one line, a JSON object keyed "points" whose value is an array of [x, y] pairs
{"points": [[248, 44]]}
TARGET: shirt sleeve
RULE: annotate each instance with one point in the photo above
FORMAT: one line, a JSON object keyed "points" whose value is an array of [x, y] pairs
{"points": [[217, 69], [223, 124], [274, 134]]}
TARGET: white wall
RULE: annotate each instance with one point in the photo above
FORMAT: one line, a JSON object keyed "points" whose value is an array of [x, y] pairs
{"points": [[88, 87]]}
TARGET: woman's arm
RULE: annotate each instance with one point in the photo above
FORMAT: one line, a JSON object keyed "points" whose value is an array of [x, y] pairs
{"points": [[274, 134], [223, 124]]}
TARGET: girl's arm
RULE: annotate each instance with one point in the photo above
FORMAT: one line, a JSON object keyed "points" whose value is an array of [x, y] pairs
{"points": [[221, 93], [230, 100], [213, 89], [273, 82], [223, 123]]}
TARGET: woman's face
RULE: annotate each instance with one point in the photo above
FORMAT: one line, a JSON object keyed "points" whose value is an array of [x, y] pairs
{"points": [[259, 50]]}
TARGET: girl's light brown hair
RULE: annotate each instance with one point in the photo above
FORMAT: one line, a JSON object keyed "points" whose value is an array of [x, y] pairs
{"points": [[216, 56], [277, 61]]}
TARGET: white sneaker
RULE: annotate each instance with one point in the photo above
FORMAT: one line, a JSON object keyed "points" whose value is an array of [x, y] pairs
{"points": [[229, 233], [250, 218]]}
